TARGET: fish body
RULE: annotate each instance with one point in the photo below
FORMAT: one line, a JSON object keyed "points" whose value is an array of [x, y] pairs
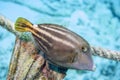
{"points": [[61, 46]]}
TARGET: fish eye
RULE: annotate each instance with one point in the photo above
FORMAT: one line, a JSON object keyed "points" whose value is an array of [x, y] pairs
{"points": [[84, 49]]}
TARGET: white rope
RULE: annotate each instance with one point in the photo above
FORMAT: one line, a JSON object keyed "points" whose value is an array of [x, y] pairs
{"points": [[7, 24], [113, 55]]}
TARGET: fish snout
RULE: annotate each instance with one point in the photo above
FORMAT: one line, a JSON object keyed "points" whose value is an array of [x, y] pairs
{"points": [[84, 62]]}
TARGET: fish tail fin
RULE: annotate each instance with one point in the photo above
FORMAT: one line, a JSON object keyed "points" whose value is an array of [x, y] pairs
{"points": [[22, 25]]}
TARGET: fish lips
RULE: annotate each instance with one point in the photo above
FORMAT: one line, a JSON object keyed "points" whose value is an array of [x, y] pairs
{"points": [[84, 62]]}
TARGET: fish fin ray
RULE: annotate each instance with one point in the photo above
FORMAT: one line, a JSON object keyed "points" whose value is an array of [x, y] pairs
{"points": [[22, 24]]}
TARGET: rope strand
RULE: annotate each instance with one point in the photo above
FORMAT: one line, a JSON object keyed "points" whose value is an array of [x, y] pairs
{"points": [[7, 24], [109, 54]]}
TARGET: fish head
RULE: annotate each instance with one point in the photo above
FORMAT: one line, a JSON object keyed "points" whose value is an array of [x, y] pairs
{"points": [[83, 62], [83, 59]]}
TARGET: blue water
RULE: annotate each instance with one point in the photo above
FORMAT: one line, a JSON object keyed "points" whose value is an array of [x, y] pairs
{"points": [[98, 21]]}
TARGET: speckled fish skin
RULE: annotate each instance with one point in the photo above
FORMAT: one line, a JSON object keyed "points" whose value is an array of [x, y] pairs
{"points": [[61, 46]]}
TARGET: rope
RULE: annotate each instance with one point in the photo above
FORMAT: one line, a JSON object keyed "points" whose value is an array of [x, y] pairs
{"points": [[7, 24], [113, 55]]}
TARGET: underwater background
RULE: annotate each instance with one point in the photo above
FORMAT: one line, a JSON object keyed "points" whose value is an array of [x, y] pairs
{"points": [[98, 21]]}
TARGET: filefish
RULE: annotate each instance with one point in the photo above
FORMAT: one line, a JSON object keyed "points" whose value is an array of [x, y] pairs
{"points": [[61, 46]]}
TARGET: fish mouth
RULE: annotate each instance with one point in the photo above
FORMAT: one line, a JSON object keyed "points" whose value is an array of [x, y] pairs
{"points": [[91, 68]]}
